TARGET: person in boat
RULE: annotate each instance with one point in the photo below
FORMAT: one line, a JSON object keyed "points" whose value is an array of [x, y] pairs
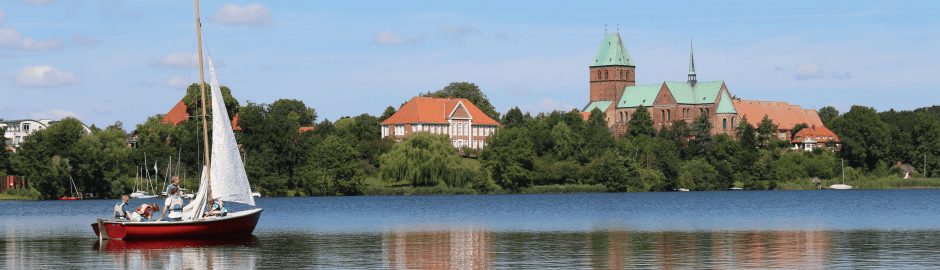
{"points": [[174, 204], [174, 184], [122, 210], [145, 212], [217, 208]]}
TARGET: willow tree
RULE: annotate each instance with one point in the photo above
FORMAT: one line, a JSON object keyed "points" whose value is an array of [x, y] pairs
{"points": [[424, 159]]}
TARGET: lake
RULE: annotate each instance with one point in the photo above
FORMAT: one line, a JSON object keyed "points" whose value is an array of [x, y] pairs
{"points": [[846, 229]]}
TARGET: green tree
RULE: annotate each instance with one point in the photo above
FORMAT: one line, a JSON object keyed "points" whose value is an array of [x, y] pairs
{"points": [[747, 139], [827, 113], [468, 91], [641, 123], [863, 136], [193, 100], [509, 157], [388, 113], [617, 174], [5, 155], [701, 129], [765, 131], [425, 159], [697, 174], [331, 169], [513, 118]]}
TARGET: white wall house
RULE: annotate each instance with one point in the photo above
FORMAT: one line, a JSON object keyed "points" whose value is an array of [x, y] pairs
{"points": [[18, 130]]}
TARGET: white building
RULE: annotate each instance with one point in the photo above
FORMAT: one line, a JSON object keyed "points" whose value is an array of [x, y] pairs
{"points": [[18, 130]]}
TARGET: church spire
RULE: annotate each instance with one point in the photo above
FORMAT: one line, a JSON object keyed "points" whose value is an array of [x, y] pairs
{"points": [[692, 79]]}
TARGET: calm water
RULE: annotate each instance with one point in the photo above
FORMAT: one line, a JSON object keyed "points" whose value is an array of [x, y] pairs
{"points": [[754, 229]]}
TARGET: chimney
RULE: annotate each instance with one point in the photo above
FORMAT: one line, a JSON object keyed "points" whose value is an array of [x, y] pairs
{"points": [[814, 127]]}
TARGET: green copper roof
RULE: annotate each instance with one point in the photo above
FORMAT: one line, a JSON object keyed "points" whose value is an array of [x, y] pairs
{"points": [[634, 96], [612, 53], [725, 105], [603, 105], [702, 93]]}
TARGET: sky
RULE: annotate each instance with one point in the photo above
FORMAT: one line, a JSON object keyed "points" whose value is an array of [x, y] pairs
{"points": [[103, 61]]}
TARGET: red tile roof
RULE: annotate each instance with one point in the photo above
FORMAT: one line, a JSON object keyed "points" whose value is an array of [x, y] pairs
{"points": [[179, 114], [436, 110], [176, 115], [819, 133], [305, 129], [784, 115], [585, 116]]}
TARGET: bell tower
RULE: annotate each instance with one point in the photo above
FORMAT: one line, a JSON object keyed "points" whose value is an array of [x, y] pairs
{"points": [[611, 70], [692, 79]]}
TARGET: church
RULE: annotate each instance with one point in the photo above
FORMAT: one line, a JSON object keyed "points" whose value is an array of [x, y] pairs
{"points": [[614, 91]]}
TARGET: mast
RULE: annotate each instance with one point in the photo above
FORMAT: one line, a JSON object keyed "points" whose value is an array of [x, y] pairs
{"points": [[202, 89]]}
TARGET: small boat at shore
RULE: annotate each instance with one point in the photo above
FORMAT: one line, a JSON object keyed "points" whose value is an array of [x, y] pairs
{"points": [[843, 185], [72, 188]]}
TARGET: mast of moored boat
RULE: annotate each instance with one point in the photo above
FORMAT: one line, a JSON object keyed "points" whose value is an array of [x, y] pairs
{"points": [[202, 89]]}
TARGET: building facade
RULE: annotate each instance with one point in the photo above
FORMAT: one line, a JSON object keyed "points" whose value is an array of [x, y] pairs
{"points": [[466, 124], [18, 130], [815, 137], [614, 91]]}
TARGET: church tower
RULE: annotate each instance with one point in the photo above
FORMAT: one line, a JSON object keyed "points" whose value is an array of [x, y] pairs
{"points": [[692, 79], [611, 70]]}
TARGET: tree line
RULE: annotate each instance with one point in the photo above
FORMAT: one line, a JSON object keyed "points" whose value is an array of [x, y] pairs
{"points": [[287, 152]]}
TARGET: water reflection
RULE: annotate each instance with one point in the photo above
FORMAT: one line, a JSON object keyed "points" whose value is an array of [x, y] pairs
{"points": [[179, 253], [443, 249]]}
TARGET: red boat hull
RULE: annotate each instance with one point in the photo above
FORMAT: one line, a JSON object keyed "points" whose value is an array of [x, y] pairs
{"points": [[70, 198], [146, 244], [237, 224]]}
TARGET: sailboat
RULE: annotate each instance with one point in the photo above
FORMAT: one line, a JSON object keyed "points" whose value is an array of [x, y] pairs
{"points": [[843, 185], [139, 193], [224, 176], [72, 188]]}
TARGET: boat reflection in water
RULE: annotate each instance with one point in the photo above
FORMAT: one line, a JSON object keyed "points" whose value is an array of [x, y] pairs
{"points": [[437, 249], [230, 253]]}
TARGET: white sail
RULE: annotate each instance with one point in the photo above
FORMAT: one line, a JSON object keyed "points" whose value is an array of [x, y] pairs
{"points": [[229, 182], [197, 206]]}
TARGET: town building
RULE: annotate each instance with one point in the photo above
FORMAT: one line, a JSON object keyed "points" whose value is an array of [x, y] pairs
{"points": [[180, 113], [815, 137], [466, 124], [18, 130], [782, 114], [614, 91]]}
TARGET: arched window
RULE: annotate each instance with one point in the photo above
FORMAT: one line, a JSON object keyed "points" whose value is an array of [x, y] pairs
{"points": [[598, 75], [724, 123], [668, 115], [621, 116], [606, 77], [733, 123], [706, 112], [621, 75], [664, 115]]}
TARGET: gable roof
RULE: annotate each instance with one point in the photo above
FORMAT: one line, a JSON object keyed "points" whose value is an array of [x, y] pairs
{"points": [[603, 105], [612, 53], [702, 93], [817, 133], [634, 96], [725, 105], [436, 110], [176, 115], [784, 115]]}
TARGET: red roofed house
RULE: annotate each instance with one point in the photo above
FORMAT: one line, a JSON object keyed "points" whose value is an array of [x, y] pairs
{"points": [[784, 115], [815, 137], [466, 124], [180, 114]]}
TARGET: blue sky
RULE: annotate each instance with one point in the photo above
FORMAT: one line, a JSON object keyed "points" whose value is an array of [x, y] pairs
{"points": [[103, 61]]}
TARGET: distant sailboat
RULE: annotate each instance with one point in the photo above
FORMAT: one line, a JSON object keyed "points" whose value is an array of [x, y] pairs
{"points": [[843, 185]]}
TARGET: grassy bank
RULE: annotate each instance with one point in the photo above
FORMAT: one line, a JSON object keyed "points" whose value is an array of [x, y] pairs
{"points": [[892, 183], [599, 188], [438, 190], [8, 197]]}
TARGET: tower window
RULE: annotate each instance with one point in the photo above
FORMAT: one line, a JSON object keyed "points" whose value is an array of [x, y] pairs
{"points": [[664, 115], [668, 115], [598, 75], [605, 75], [724, 123]]}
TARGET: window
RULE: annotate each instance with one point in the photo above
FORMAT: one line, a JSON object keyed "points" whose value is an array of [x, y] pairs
{"points": [[26, 128], [598, 75], [733, 123], [724, 123], [621, 75], [668, 115], [664, 115], [605, 75]]}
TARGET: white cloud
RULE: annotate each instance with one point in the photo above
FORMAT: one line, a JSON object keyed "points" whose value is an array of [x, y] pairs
{"points": [[80, 40], [45, 77], [389, 38], [176, 83], [503, 36], [11, 39], [843, 76], [808, 71], [545, 105], [55, 114], [459, 31], [250, 15]]}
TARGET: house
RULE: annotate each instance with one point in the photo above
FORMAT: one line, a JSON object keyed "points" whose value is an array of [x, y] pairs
{"points": [[18, 130], [782, 114], [466, 124], [815, 137]]}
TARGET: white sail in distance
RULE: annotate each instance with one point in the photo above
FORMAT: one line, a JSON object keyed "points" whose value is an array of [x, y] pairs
{"points": [[228, 180]]}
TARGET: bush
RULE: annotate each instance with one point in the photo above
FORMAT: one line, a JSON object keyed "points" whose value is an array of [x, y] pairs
{"points": [[31, 193]]}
